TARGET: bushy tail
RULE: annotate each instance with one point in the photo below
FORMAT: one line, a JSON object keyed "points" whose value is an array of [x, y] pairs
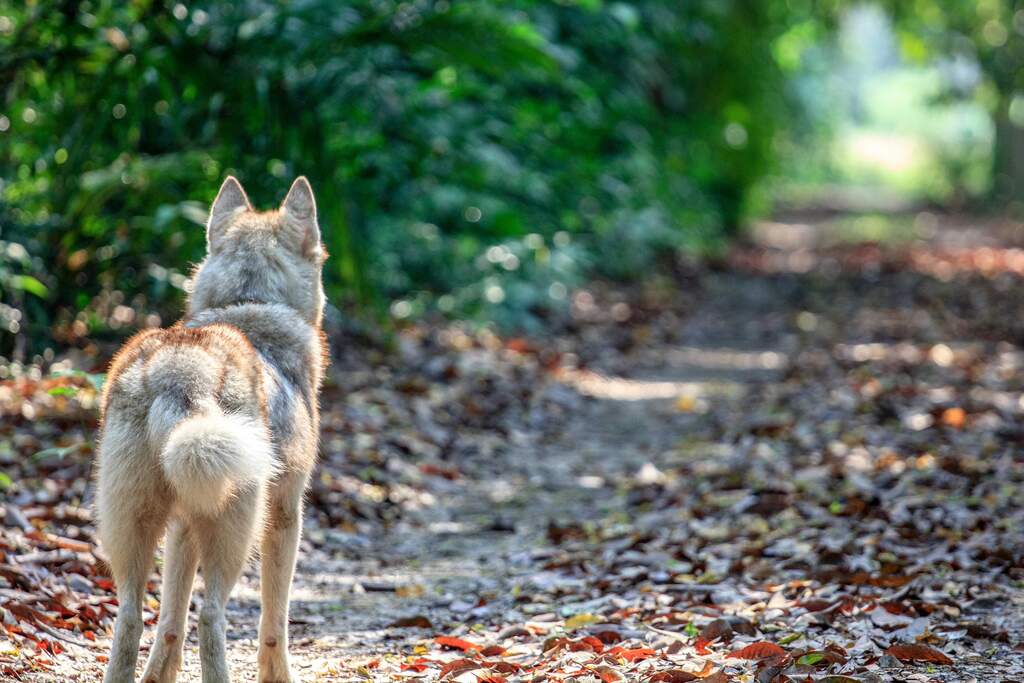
{"points": [[209, 457]]}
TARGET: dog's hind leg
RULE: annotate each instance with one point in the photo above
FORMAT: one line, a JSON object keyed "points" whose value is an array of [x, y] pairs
{"points": [[132, 514], [131, 570], [224, 545], [280, 544], [180, 559]]}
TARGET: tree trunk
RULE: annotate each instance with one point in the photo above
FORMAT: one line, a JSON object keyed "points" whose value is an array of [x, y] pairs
{"points": [[1007, 157]]}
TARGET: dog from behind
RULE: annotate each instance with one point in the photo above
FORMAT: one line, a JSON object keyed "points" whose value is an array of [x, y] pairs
{"points": [[209, 433]]}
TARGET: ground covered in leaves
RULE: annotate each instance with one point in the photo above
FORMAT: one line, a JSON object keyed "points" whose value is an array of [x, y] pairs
{"points": [[800, 464]]}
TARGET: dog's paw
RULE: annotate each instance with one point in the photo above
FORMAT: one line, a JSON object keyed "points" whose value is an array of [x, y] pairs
{"points": [[277, 672], [163, 663], [289, 679]]}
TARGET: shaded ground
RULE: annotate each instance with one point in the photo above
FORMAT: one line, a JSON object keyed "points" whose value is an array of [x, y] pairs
{"points": [[801, 464]]}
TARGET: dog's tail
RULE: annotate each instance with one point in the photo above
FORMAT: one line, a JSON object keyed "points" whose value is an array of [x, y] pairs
{"points": [[209, 456]]}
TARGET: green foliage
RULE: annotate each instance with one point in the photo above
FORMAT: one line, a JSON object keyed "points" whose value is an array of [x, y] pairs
{"points": [[433, 132], [989, 34], [895, 105]]}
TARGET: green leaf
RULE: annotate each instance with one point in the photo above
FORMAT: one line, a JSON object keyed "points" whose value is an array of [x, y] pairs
{"points": [[5, 481], [581, 620], [29, 284], [60, 452], [811, 658]]}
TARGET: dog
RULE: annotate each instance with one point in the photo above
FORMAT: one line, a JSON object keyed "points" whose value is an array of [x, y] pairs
{"points": [[209, 431]]}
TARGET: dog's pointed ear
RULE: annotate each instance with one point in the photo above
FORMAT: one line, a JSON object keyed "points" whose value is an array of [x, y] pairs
{"points": [[230, 199], [300, 224], [299, 203]]}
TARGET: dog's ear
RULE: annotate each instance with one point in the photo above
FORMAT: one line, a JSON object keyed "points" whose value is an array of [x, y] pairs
{"points": [[229, 201], [299, 225]]}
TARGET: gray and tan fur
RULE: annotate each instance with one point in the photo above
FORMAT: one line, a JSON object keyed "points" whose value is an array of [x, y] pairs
{"points": [[210, 430]]}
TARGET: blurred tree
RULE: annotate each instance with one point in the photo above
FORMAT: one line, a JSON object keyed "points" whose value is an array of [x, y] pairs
{"points": [[990, 32], [490, 152]]}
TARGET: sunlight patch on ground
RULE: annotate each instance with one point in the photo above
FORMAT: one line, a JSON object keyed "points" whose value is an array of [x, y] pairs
{"points": [[726, 359], [787, 236], [623, 389]]}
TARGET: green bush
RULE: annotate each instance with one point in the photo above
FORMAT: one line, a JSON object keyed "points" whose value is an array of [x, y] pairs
{"points": [[433, 132]]}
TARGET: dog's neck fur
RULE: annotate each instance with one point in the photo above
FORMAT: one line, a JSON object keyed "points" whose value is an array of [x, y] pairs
{"points": [[261, 257], [256, 264], [262, 275]]}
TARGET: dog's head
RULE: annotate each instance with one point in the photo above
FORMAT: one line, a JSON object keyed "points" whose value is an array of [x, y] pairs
{"points": [[272, 257]]}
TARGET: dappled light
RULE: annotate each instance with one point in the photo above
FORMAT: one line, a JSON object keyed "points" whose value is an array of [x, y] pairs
{"points": [[620, 389], [710, 369], [668, 341], [777, 469]]}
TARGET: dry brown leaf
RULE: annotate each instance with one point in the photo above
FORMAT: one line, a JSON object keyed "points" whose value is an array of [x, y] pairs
{"points": [[458, 667], [906, 652], [759, 650], [419, 621], [673, 676]]}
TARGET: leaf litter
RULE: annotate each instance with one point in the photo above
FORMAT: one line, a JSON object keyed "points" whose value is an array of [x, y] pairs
{"points": [[798, 465]]}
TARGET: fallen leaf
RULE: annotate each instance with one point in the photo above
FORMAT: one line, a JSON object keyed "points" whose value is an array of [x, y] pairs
{"points": [[587, 644], [906, 652], [580, 620], [459, 666], [719, 629], [718, 677], [673, 676], [954, 417], [418, 621], [631, 655], [686, 404], [456, 643], [608, 674], [759, 650]]}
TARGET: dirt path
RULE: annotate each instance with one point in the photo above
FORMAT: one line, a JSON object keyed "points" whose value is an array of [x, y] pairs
{"points": [[740, 340], [618, 426], [823, 454]]}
